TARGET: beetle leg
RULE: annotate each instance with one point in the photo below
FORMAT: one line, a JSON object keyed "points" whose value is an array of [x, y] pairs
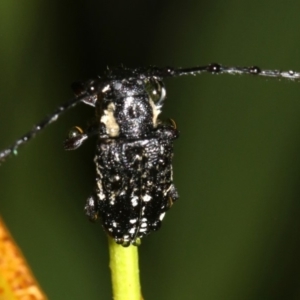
{"points": [[91, 208]]}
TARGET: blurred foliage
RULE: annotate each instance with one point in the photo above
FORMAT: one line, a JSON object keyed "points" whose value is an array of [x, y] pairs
{"points": [[16, 280], [234, 233]]}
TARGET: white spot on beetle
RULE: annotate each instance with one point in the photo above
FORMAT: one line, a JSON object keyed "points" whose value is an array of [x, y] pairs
{"points": [[134, 201], [100, 195], [109, 120], [146, 198], [132, 230], [156, 110], [132, 221], [106, 88], [162, 215]]}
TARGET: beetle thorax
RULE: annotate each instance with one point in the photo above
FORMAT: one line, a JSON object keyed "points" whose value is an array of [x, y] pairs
{"points": [[128, 111]]}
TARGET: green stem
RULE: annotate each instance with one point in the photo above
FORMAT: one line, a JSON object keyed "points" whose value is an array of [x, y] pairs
{"points": [[124, 268]]}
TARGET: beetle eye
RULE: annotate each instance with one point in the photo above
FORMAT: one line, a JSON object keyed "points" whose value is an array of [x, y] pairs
{"points": [[156, 90]]}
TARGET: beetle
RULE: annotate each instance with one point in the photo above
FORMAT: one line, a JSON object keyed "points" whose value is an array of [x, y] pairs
{"points": [[134, 175]]}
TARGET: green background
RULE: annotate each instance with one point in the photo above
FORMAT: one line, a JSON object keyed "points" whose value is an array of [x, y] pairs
{"points": [[234, 232]]}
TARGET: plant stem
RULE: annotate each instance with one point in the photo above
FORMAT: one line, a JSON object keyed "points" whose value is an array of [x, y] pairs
{"points": [[124, 271]]}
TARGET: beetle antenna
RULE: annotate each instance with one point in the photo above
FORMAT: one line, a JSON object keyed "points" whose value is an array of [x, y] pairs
{"points": [[219, 69], [13, 149], [215, 68]]}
